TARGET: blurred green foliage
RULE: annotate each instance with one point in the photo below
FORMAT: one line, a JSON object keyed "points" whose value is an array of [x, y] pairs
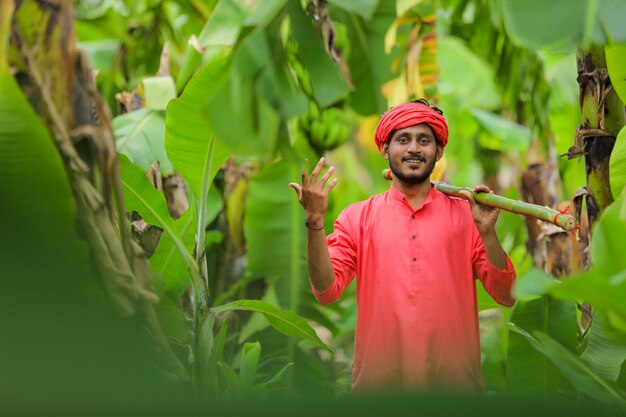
{"points": [[240, 74]]}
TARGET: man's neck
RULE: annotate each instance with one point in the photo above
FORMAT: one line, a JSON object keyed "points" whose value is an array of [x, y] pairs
{"points": [[415, 193]]}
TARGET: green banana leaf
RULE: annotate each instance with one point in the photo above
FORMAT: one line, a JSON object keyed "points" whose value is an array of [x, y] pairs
{"points": [[501, 134], [535, 283], [278, 86], [173, 322], [274, 228], [605, 355], [192, 146], [529, 373], [617, 165], [261, 389], [368, 62], [310, 373], [616, 64], [241, 117], [326, 80], [475, 85], [101, 53], [231, 377], [158, 91], [265, 12], [257, 321], [38, 216], [286, 322], [251, 353], [224, 24], [578, 372], [169, 269], [566, 24], [188, 133], [604, 292], [35, 189], [141, 196], [140, 135], [607, 243], [364, 8], [216, 355]]}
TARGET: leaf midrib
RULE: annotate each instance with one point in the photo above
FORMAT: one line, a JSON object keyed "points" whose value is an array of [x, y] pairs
{"points": [[162, 223], [124, 140], [240, 306]]}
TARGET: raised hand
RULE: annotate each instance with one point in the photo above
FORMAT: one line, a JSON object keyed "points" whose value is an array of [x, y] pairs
{"points": [[485, 217], [313, 193]]}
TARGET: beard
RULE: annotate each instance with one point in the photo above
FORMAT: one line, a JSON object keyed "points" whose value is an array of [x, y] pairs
{"points": [[413, 178]]}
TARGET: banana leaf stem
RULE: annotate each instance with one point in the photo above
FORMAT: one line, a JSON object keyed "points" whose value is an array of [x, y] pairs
{"points": [[546, 214]]}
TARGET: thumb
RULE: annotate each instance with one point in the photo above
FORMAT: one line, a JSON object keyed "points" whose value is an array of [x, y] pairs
{"points": [[297, 188]]}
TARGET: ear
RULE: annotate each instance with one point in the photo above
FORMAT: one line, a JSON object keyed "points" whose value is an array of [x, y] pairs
{"points": [[439, 153], [384, 148]]}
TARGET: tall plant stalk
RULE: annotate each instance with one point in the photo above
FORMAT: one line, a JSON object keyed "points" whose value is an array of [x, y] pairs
{"points": [[603, 117], [66, 99]]}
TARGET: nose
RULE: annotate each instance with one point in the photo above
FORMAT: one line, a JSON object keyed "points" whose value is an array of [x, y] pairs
{"points": [[413, 148]]}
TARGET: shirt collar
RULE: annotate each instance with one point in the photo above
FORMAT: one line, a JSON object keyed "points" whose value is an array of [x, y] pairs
{"points": [[397, 195]]}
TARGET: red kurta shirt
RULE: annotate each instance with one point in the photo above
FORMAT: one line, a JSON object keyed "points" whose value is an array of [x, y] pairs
{"points": [[417, 321]]}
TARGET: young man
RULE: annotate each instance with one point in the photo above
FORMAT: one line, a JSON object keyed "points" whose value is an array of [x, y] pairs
{"points": [[415, 253]]}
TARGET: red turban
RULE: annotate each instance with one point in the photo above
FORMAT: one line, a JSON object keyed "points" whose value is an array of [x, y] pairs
{"points": [[409, 114]]}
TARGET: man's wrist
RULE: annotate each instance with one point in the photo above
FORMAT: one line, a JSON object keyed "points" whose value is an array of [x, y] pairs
{"points": [[315, 222], [488, 232]]}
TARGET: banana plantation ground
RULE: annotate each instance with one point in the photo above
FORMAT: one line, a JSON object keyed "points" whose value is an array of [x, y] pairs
{"points": [[153, 255]]}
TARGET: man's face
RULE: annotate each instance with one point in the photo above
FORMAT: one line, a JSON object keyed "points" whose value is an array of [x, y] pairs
{"points": [[412, 153]]}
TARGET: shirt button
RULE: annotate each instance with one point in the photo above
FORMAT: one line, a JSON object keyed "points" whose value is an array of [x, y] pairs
{"points": [[412, 217], [413, 237], [414, 259]]}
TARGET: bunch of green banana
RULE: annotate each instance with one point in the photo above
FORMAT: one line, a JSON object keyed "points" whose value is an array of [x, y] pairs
{"points": [[303, 77], [327, 128]]}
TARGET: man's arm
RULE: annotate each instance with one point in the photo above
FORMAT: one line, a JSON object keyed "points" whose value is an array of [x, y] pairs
{"points": [[485, 220], [497, 279], [318, 261], [313, 195], [495, 252]]}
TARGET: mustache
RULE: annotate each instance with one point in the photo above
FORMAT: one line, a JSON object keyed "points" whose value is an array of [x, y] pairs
{"points": [[418, 157]]}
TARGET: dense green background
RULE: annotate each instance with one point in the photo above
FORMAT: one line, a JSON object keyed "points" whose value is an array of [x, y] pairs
{"points": [[257, 87]]}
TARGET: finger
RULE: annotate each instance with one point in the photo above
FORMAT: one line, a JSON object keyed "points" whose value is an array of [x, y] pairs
{"points": [[317, 170], [331, 185], [298, 189], [305, 178], [327, 176], [482, 189], [468, 196]]}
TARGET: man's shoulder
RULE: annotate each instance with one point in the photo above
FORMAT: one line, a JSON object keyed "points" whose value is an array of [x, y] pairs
{"points": [[358, 208]]}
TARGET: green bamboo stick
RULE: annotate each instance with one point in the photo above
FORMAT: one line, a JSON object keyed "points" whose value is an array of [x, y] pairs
{"points": [[564, 221]]}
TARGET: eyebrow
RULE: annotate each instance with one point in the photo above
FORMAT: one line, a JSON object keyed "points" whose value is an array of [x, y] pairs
{"points": [[419, 135]]}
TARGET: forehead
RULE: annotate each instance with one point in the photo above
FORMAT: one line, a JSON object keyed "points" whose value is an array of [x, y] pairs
{"points": [[415, 130]]}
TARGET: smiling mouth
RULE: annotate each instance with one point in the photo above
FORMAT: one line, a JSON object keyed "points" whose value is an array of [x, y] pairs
{"points": [[413, 160]]}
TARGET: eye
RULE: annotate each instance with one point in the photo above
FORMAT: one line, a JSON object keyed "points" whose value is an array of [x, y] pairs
{"points": [[425, 141], [402, 139]]}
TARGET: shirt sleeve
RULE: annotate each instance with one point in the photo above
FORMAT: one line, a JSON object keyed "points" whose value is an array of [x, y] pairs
{"points": [[498, 283], [342, 250]]}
